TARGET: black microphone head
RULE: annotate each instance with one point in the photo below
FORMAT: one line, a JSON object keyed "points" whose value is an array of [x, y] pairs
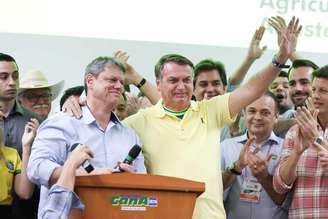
{"points": [[133, 154], [134, 151]]}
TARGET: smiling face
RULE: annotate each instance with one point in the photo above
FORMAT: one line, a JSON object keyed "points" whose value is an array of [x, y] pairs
{"points": [[8, 80], [300, 84], [37, 100], [260, 117], [208, 85], [175, 86], [107, 86], [320, 96]]}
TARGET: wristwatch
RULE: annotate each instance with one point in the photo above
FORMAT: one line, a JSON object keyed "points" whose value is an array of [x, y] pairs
{"points": [[141, 83], [233, 170], [277, 64], [319, 140]]}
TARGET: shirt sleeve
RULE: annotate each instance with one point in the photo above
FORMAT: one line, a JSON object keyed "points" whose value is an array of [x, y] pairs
{"points": [[219, 107], [226, 161], [288, 145], [59, 202], [223, 156], [49, 150], [18, 169], [229, 153]]}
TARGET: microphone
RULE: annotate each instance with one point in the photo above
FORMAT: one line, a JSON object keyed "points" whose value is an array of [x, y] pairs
{"points": [[86, 164], [132, 155]]}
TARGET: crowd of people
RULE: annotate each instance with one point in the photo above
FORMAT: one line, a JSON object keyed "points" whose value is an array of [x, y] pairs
{"points": [[260, 146]]}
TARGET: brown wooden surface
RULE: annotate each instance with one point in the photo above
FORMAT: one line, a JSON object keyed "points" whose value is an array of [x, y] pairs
{"points": [[176, 197], [141, 181]]}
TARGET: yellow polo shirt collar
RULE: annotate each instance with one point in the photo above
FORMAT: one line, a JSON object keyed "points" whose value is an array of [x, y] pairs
{"points": [[160, 112]]}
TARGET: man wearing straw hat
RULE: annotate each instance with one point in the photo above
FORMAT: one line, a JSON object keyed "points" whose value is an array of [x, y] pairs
{"points": [[36, 93]]}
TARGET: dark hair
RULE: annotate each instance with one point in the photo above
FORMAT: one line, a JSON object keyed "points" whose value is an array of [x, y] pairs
{"points": [[273, 97], [275, 100], [302, 63], [321, 73], [208, 65], [7, 58], [283, 74], [73, 91], [175, 58]]}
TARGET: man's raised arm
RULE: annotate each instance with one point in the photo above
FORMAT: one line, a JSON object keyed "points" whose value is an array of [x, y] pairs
{"points": [[260, 82]]}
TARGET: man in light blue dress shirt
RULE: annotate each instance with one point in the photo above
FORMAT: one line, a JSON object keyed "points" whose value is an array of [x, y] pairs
{"points": [[248, 169], [99, 128]]}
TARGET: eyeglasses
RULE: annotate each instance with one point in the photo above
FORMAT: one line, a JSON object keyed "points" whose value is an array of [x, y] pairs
{"points": [[36, 97]]}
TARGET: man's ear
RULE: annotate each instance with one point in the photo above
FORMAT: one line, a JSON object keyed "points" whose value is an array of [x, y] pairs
{"points": [[158, 84], [89, 79]]}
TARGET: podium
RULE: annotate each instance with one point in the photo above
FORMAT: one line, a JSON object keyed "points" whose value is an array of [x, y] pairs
{"points": [[137, 196]]}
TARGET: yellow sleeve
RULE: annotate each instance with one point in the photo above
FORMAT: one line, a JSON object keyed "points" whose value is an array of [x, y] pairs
{"points": [[136, 122], [219, 107], [18, 167]]}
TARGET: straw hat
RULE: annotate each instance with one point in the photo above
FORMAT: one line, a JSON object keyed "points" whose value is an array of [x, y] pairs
{"points": [[33, 79]]}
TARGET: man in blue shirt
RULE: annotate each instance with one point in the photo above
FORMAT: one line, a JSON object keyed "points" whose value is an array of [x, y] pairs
{"points": [[248, 169], [98, 128]]}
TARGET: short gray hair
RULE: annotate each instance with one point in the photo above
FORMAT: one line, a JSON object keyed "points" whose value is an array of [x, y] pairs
{"points": [[98, 65]]}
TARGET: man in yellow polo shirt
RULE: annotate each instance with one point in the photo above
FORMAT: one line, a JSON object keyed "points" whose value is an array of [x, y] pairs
{"points": [[180, 137]]}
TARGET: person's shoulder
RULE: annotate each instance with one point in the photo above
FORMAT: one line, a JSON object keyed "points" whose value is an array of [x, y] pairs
{"points": [[63, 115], [9, 151], [142, 114], [149, 110], [233, 139], [292, 132], [231, 142], [128, 130], [230, 147], [60, 119]]}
